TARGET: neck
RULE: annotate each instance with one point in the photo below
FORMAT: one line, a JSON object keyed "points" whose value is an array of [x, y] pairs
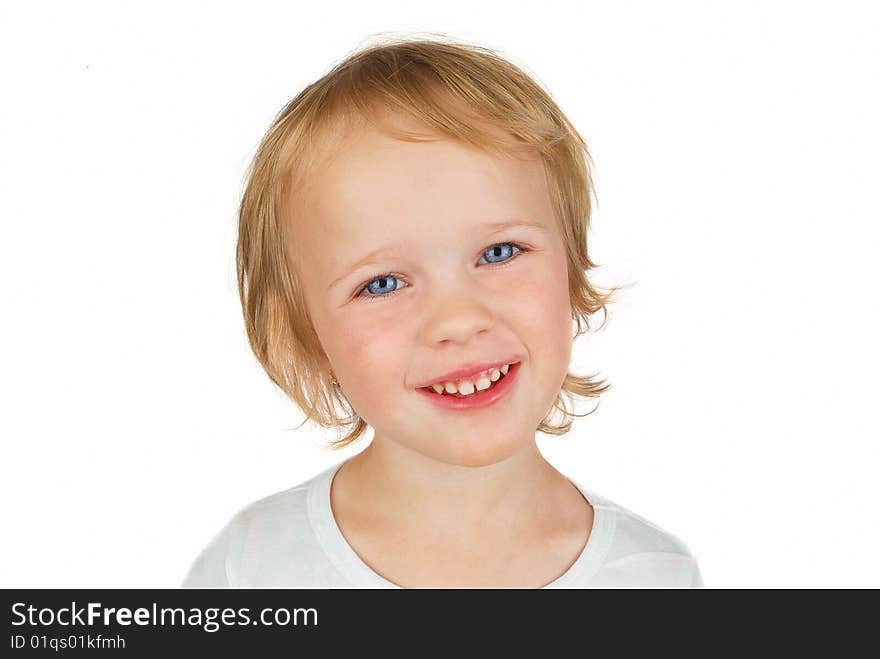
{"points": [[401, 488]]}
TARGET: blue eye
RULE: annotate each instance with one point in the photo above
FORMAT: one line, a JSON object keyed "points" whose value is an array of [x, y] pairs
{"points": [[386, 281], [383, 282], [500, 248]]}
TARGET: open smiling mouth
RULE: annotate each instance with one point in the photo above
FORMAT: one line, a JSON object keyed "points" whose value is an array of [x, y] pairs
{"points": [[474, 390], [480, 398]]}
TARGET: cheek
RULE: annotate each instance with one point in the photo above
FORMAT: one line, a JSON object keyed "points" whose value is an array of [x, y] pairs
{"points": [[542, 302], [544, 308], [368, 361]]}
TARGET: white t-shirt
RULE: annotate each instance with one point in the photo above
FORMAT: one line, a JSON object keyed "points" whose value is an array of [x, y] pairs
{"points": [[291, 540]]}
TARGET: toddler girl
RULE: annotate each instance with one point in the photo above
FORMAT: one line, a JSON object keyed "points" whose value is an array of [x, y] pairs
{"points": [[413, 250]]}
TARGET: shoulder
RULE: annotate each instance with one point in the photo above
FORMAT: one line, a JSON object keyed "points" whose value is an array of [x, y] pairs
{"points": [[642, 553], [275, 520], [264, 515]]}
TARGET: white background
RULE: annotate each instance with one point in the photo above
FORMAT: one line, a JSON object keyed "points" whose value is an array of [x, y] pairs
{"points": [[735, 147]]}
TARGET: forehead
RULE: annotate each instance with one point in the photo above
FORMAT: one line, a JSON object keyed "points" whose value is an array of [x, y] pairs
{"points": [[371, 179]]}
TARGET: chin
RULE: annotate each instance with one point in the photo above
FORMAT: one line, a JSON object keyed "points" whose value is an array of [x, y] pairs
{"points": [[479, 454]]}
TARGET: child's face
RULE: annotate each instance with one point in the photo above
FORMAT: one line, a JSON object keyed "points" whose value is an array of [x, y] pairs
{"points": [[430, 205]]}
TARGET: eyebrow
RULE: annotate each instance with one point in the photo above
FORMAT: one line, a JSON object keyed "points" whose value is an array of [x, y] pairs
{"points": [[375, 256]]}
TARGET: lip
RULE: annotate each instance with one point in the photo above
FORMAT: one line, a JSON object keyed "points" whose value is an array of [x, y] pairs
{"points": [[478, 399], [466, 372]]}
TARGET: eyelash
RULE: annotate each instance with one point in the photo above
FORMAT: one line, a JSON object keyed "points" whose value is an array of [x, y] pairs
{"points": [[521, 249]]}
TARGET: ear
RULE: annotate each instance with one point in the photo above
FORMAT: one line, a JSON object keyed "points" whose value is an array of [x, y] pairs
{"points": [[325, 360]]}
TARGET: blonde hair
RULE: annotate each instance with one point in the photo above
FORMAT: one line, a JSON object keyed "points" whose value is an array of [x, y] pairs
{"points": [[460, 90]]}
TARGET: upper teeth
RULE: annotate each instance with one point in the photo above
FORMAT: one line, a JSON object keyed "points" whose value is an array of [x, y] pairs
{"points": [[467, 387]]}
